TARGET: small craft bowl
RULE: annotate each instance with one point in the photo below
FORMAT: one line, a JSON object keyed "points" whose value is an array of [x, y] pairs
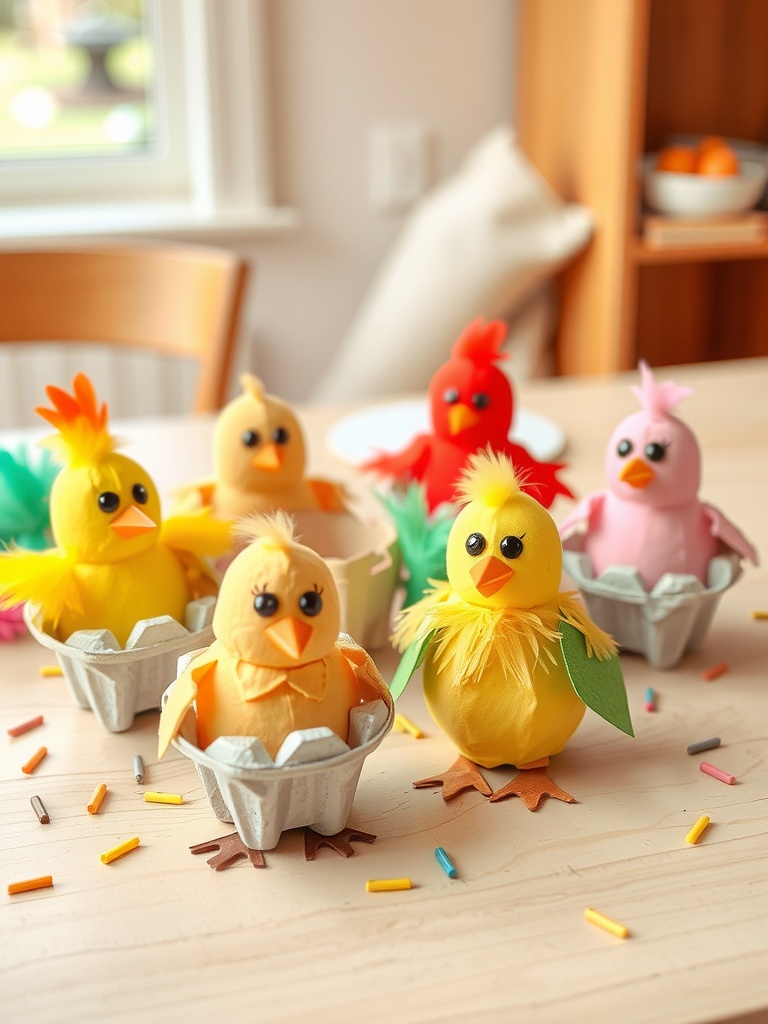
{"points": [[701, 195], [115, 683], [312, 781]]}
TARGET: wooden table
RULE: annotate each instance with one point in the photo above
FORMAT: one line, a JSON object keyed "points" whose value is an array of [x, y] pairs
{"points": [[159, 936]]}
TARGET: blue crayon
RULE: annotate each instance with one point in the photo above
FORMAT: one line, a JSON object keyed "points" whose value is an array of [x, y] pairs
{"points": [[445, 862]]}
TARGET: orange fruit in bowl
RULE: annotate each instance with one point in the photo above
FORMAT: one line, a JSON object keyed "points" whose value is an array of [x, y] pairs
{"points": [[679, 159], [717, 160]]}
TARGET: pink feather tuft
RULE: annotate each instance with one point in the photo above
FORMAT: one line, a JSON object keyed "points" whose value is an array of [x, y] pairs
{"points": [[658, 399]]}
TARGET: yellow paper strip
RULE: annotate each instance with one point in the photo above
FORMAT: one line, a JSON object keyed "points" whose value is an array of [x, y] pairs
{"points": [[619, 930], [118, 851], [698, 828], [98, 795], [403, 724], [387, 884], [51, 670], [163, 798]]}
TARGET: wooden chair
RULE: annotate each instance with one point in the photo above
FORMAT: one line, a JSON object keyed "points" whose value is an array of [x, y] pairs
{"points": [[179, 300]]}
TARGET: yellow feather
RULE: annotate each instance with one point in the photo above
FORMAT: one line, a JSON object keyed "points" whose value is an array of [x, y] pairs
{"points": [[43, 577]]}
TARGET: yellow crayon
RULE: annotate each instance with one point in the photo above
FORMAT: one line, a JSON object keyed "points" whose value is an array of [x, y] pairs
{"points": [[31, 883], [118, 851], [403, 724], [98, 795], [387, 884], [619, 930], [163, 798], [698, 828]]}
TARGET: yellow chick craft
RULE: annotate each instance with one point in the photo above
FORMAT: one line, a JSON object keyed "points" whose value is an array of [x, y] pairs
{"points": [[278, 663], [259, 460], [115, 560], [510, 664]]}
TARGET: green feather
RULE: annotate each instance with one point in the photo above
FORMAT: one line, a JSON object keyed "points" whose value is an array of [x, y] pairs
{"points": [[412, 657], [422, 538], [599, 683], [26, 478]]}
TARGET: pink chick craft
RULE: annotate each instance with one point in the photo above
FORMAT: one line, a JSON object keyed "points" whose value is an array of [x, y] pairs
{"points": [[471, 407], [647, 550]]}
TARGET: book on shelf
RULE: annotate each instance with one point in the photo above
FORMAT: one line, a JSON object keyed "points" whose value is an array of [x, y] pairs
{"points": [[660, 232]]}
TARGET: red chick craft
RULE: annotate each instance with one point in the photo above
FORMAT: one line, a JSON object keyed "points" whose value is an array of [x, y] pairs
{"points": [[471, 408]]}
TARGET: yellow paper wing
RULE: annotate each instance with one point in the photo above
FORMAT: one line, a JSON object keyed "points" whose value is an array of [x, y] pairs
{"points": [[199, 533], [181, 699]]}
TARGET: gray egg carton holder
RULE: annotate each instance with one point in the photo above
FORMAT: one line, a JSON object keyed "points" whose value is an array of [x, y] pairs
{"points": [[663, 624], [312, 780], [117, 683]]}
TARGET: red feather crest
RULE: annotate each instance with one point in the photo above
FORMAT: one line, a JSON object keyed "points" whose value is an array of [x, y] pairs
{"points": [[481, 341]]}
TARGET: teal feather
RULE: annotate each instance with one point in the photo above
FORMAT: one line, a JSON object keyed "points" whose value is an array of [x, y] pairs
{"points": [[422, 538], [26, 478]]}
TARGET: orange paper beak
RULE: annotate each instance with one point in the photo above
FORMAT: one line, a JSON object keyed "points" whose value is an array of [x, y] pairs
{"points": [[490, 575], [131, 523], [269, 457], [461, 417], [289, 635], [637, 474]]}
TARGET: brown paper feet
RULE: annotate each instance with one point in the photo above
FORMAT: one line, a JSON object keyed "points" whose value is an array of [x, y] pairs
{"points": [[231, 849], [463, 774], [531, 786], [340, 842]]}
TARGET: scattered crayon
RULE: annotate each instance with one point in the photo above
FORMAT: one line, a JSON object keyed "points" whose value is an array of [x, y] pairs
{"points": [[609, 925], [717, 773], [650, 699], [43, 882], [445, 862], [138, 767], [119, 850], [387, 884], [38, 807], [702, 745], [715, 672], [96, 798], [698, 828], [760, 614], [19, 730], [34, 761], [51, 670], [163, 798], [403, 724]]}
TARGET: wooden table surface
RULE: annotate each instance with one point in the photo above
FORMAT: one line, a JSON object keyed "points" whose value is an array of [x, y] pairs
{"points": [[159, 936]]}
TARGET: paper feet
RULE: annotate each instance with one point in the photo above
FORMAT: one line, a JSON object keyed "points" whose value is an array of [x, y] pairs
{"points": [[231, 848], [532, 785], [463, 774]]}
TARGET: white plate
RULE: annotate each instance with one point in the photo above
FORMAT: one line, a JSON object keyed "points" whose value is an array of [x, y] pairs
{"points": [[390, 427]]}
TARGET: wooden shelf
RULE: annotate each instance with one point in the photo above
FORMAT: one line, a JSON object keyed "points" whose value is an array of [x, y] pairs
{"points": [[600, 83]]}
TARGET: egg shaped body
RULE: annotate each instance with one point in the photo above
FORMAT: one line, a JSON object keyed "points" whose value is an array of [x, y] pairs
{"points": [[493, 720], [116, 595]]}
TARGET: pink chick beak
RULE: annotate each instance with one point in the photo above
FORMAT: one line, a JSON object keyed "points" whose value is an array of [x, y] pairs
{"points": [[637, 474], [490, 575], [289, 635], [269, 457], [461, 417], [131, 523]]}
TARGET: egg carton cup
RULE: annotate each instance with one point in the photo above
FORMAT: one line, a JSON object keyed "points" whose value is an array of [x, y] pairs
{"points": [[312, 780], [663, 624], [363, 554], [117, 683]]}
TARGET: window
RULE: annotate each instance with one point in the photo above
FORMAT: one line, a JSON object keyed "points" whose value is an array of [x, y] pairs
{"points": [[190, 157]]}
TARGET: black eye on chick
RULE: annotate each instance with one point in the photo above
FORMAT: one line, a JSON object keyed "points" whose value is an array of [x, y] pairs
{"points": [[280, 435], [481, 400], [624, 447], [109, 501], [139, 493], [655, 451], [511, 546], [475, 544], [451, 396], [265, 604], [250, 438], [311, 602]]}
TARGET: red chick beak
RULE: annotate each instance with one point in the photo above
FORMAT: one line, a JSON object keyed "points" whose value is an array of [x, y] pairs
{"points": [[290, 636], [131, 523], [269, 458], [490, 575], [637, 474], [461, 417]]}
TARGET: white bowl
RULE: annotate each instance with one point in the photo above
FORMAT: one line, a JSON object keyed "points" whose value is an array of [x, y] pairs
{"points": [[701, 195]]}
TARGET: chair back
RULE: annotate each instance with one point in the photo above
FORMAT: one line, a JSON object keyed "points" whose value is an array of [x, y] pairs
{"points": [[179, 300]]}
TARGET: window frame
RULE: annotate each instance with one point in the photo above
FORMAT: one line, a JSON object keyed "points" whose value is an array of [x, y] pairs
{"points": [[207, 175]]}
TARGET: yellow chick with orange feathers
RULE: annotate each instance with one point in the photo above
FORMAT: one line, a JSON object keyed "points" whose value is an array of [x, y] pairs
{"points": [[278, 663], [116, 561], [510, 664]]}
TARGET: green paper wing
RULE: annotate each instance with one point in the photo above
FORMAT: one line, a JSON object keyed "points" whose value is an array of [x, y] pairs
{"points": [[412, 657], [600, 684]]}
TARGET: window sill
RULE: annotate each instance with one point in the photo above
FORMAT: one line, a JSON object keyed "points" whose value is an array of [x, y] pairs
{"points": [[51, 224]]}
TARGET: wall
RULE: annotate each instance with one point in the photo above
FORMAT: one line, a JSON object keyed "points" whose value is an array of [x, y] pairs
{"points": [[338, 66]]}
